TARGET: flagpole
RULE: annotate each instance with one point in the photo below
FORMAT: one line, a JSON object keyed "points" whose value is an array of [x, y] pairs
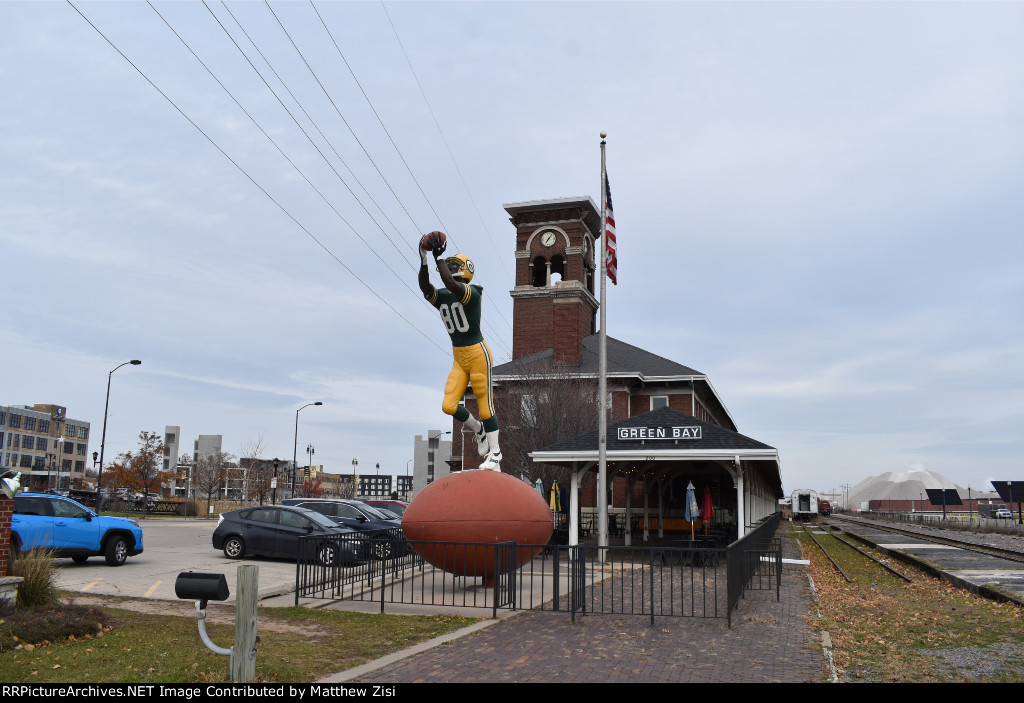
{"points": [[602, 383]]}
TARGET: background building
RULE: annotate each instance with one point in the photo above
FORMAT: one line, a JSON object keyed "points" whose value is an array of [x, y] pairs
{"points": [[432, 458], [548, 392], [172, 441], [50, 449]]}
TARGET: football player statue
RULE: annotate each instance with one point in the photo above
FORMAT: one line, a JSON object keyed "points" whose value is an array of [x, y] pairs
{"points": [[459, 304]]}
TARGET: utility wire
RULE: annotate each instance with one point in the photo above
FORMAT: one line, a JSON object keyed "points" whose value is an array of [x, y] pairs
{"points": [[251, 179], [379, 120], [276, 145], [499, 341], [340, 115], [334, 104], [304, 132], [447, 147]]}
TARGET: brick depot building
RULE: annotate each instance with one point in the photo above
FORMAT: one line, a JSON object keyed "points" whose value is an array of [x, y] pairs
{"points": [[667, 426]]}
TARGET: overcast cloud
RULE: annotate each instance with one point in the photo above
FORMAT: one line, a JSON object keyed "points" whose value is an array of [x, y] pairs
{"points": [[818, 205]]}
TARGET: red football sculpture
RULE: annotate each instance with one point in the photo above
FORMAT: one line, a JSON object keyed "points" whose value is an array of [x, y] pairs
{"points": [[430, 238], [482, 507]]}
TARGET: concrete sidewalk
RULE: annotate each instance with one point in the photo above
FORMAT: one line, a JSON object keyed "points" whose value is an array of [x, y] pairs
{"points": [[770, 641]]}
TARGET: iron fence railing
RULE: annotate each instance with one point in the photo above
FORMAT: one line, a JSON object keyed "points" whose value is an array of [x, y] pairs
{"points": [[681, 581], [754, 563]]}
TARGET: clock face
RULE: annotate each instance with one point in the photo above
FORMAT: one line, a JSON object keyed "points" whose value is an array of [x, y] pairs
{"points": [[547, 238]]}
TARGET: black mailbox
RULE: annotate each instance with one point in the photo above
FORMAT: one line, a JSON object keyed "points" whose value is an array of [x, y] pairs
{"points": [[202, 587]]}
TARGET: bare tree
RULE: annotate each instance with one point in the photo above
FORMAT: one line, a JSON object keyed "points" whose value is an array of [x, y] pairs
{"points": [[210, 474], [141, 470], [541, 406], [257, 471]]}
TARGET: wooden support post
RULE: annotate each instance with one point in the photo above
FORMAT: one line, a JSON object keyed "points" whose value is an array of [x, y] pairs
{"points": [[243, 661]]}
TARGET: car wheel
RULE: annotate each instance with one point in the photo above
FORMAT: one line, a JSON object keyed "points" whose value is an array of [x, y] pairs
{"points": [[326, 554], [79, 559], [234, 548], [116, 552]]}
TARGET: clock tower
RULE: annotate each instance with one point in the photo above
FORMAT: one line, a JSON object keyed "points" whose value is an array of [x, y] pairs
{"points": [[554, 306]]}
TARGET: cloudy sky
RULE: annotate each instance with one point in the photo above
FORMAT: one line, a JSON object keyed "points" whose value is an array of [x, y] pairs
{"points": [[818, 205]]}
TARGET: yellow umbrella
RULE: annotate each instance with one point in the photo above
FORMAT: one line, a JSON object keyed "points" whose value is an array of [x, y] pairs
{"points": [[556, 498]]}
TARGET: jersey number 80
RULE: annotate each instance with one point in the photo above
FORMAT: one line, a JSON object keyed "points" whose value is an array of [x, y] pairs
{"points": [[454, 318]]}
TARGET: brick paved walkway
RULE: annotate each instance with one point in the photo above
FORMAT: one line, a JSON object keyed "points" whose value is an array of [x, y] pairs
{"points": [[770, 641]]}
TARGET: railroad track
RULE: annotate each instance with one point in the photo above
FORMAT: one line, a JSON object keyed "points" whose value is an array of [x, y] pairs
{"points": [[948, 540], [857, 549]]}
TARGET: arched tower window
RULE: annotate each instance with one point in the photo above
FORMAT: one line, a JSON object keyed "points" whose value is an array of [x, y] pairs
{"points": [[540, 272], [557, 269]]}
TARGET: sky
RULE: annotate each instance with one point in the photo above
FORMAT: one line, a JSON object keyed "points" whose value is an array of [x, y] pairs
{"points": [[817, 205]]}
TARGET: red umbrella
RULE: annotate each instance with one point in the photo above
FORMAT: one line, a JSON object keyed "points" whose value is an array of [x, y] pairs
{"points": [[707, 508]]}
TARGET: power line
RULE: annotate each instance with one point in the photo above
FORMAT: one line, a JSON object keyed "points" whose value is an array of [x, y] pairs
{"points": [[444, 140], [251, 179]]}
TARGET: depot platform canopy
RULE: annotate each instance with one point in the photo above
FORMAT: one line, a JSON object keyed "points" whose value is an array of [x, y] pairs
{"points": [[666, 444]]}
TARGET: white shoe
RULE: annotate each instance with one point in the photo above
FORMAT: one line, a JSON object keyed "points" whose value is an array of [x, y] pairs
{"points": [[481, 440], [492, 461]]}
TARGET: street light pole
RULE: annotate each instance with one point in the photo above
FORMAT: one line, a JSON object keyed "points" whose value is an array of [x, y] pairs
{"points": [[103, 438], [355, 488], [273, 497], [295, 447]]}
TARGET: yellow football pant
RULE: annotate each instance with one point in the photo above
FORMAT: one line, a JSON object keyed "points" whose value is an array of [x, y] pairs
{"points": [[472, 366]]}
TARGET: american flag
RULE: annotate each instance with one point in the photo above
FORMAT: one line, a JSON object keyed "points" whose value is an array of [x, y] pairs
{"points": [[609, 233]]}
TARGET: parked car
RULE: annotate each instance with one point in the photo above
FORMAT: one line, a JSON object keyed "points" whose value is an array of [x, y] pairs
{"points": [[46, 521], [274, 531], [395, 506], [1004, 513], [388, 540]]}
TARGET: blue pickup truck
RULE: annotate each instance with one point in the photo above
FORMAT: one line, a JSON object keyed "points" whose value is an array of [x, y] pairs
{"points": [[44, 521]]}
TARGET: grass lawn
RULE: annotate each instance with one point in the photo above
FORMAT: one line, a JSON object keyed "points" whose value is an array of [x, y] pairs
{"points": [[296, 645]]}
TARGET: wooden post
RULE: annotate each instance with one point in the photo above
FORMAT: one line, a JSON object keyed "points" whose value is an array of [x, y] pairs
{"points": [[243, 661]]}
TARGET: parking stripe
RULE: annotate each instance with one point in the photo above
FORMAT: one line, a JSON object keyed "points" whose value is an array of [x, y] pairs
{"points": [[87, 586], [151, 589]]}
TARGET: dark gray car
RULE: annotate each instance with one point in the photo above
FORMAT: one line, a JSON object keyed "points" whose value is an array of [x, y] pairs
{"points": [[387, 538], [274, 531]]}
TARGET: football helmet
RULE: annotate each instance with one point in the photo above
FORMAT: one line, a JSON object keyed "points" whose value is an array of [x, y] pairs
{"points": [[461, 267]]}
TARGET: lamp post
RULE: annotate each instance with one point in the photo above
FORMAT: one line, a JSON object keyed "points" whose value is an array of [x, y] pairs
{"points": [[103, 438], [57, 464], [311, 450], [49, 466], [295, 447], [273, 485], [355, 488]]}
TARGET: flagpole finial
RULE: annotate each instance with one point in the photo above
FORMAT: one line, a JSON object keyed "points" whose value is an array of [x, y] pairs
{"points": [[604, 134]]}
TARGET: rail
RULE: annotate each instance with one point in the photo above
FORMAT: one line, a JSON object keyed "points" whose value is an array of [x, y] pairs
{"points": [[648, 581], [754, 561]]}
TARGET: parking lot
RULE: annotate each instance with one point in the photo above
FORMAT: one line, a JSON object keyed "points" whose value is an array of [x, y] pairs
{"points": [[172, 545]]}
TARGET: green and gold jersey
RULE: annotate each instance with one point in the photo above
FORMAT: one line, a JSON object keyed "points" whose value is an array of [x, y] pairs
{"points": [[460, 314]]}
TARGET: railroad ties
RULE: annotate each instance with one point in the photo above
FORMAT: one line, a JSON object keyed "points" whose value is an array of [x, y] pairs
{"points": [[945, 554]]}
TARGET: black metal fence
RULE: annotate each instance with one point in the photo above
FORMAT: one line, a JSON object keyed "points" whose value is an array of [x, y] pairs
{"points": [[684, 581], [754, 563]]}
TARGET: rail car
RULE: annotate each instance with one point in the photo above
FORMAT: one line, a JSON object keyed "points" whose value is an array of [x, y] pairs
{"points": [[805, 504]]}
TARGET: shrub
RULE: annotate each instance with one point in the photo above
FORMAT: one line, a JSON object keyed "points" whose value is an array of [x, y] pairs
{"points": [[39, 586]]}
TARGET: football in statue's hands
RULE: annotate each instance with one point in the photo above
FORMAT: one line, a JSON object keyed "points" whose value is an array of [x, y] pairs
{"points": [[432, 239]]}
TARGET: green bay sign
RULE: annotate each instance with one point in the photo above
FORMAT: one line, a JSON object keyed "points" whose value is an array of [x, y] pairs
{"points": [[642, 433]]}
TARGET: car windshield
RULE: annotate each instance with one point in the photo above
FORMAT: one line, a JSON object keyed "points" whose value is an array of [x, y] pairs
{"points": [[388, 514]]}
